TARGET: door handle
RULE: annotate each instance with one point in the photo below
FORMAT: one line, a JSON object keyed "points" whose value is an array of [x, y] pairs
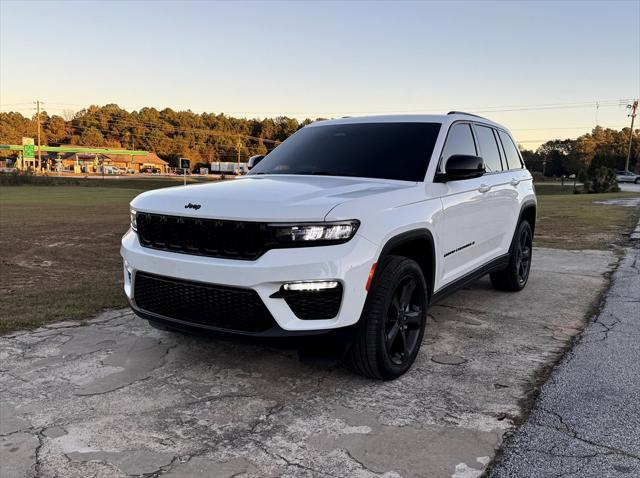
{"points": [[484, 188], [514, 182]]}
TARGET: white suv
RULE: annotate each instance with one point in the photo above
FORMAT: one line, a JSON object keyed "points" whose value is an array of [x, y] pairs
{"points": [[350, 229]]}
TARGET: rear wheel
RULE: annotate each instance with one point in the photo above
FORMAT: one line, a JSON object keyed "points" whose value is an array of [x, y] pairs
{"points": [[393, 322], [515, 276]]}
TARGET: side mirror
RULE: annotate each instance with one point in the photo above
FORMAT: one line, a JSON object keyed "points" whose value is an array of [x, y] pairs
{"points": [[254, 160], [461, 166]]}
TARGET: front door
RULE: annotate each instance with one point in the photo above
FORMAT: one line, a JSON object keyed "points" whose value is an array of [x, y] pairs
{"points": [[465, 229]]}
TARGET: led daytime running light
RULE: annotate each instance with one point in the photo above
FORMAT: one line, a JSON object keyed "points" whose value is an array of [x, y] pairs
{"points": [[310, 286]]}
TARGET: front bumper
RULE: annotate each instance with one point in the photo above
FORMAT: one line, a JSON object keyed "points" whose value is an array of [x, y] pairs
{"points": [[348, 263]]}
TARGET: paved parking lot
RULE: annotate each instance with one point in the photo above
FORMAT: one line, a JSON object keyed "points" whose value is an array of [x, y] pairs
{"points": [[115, 397], [630, 187]]}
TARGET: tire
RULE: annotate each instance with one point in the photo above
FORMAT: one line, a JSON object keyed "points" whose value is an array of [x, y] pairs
{"points": [[637, 181], [393, 320], [515, 276]]}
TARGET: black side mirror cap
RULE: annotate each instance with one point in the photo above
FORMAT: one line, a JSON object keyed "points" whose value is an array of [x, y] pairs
{"points": [[461, 166], [254, 160]]}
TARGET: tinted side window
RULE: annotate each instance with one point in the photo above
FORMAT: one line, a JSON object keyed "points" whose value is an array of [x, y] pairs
{"points": [[489, 149], [459, 141], [513, 158]]}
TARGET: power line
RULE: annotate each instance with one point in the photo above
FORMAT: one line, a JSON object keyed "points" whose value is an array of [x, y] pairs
{"points": [[564, 128], [476, 109], [544, 128], [133, 123], [130, 123]]}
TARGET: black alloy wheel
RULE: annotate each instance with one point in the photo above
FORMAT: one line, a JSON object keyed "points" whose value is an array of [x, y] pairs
{"points": [[393, 321], [404, 320], [516, 275], [523, 255]]}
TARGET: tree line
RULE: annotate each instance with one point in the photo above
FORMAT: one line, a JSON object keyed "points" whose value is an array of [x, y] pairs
{"points": [[601, 147], [202, 138], [208, 137]]}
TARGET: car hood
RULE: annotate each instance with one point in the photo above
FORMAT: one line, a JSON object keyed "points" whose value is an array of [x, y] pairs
{"points": [[263, 198]]}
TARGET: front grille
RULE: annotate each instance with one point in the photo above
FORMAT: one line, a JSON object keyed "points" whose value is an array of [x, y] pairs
{"points": [[206, 237], [217, 306], [316, 305]]}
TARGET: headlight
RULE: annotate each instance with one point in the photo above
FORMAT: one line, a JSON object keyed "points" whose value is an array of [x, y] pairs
{"points": [[324, 232], [134, 221]]}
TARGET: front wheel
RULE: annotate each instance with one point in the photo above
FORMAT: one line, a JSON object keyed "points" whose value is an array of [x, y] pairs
{"points": [[515, 276], [393, 321]]}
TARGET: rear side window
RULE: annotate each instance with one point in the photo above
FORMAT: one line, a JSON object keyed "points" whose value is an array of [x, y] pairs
{"points": [[513, 158], [489, 149], [459, 141]]}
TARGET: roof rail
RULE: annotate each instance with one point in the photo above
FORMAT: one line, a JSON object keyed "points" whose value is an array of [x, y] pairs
{"points": [[463, 113]]}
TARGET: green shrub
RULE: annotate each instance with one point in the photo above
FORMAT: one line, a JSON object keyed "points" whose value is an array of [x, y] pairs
{"points": [[598, 179]]}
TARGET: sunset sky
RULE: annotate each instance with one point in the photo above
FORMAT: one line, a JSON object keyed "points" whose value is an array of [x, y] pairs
{"points": [[537, 67]]}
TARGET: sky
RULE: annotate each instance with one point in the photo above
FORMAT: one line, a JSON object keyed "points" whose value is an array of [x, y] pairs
{"points": [[540, 68]]}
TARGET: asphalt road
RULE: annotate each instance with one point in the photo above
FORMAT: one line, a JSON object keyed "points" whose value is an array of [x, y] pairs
{"points": [[586, 422], [114, 397]]}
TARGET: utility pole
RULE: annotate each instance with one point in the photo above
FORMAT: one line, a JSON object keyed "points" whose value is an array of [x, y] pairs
{"points": [[238, 146], [634, 110], [39, 144]]}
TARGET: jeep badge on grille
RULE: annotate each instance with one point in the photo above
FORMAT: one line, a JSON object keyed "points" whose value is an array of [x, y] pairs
{"points": [[192, 206]]}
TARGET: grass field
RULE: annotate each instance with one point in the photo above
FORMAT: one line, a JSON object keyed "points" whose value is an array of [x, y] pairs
{"points": [[585, 221], [60, 252], [59, 245]]}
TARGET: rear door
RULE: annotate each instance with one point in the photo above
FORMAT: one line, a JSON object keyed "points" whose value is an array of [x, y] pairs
{"points": [[464, 231], [519, 178]]}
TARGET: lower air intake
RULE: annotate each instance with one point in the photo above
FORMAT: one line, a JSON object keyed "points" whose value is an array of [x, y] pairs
{"points": [[222, 307]]}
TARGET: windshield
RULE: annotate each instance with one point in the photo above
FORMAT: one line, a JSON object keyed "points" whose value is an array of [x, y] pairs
{"points": [[368, 150]]}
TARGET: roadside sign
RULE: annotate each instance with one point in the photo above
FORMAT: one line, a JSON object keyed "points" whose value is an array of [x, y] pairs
{"points": [[29, 151], [184, 165]]}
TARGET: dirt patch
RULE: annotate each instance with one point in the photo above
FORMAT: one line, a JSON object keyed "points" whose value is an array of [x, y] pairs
{"points": [[585, 221], [60, 253]]}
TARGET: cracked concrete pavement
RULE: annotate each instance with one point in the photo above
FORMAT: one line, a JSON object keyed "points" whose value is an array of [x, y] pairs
{"points": [[115, 397], [586, 422]]}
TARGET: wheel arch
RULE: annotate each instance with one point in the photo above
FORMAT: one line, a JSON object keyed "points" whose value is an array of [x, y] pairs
{"points": [[528, 213], [416, 244]]}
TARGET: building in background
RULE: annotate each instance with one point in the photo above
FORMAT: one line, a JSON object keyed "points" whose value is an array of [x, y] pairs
{"points": [[112, 163]]}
